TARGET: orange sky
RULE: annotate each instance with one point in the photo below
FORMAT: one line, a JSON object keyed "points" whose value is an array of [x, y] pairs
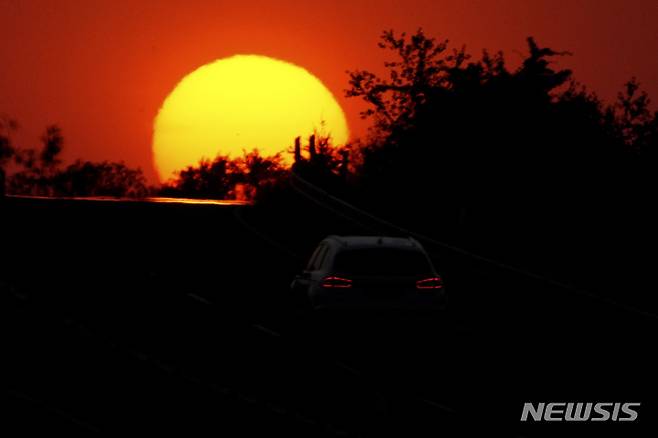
{"points": [[100, 69]]}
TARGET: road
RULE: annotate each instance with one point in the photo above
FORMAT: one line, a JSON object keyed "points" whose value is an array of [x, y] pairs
{"points": [[177, 319]]}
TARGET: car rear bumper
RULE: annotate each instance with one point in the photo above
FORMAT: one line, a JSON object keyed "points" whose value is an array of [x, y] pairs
{"points": [[355, 299]]}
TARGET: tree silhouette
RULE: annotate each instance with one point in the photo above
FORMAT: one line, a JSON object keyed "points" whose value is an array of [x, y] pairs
{"points": [[40, 173], [427, 109], [99, 179], [421, 66], [223, 177], [38, 169], [638, 126], [7, 126], [53, 143], [485, 156], [210, 179], [258, 173], [6, 149]]}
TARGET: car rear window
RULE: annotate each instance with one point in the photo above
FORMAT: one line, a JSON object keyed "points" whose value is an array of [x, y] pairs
{"points": [[381, 261]]}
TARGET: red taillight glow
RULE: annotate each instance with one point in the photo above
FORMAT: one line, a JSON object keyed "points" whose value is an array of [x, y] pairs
{"points": [[336, 282], [430, 283]]}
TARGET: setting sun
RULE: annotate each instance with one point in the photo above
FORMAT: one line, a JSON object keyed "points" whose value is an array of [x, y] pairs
{"points": [[242, 102]]}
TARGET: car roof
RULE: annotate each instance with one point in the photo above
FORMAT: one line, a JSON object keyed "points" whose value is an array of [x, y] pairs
{"points": [[375, 242]]}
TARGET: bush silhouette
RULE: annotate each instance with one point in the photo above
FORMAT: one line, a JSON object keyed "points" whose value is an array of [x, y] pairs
{"points": [[225, 178], [40, 173]]}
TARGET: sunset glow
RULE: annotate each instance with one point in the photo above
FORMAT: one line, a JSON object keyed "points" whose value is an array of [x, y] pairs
{"points": [[240, 103]]}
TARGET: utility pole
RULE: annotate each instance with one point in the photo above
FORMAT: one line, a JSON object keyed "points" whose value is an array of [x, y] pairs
{"points": [[311, 147], [298, 149]]}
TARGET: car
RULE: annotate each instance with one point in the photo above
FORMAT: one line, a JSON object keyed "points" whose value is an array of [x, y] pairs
{"points": [[370, 272]]}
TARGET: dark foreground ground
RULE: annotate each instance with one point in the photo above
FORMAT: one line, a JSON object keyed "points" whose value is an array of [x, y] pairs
{"points": [[145, 318]]}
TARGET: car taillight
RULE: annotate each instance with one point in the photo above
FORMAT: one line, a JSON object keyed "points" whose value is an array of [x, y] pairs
{"points": [[430, 283], [336, 282]]}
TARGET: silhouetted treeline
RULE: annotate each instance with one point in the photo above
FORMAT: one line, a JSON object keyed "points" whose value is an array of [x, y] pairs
{"points": [[524, 165], [525, 158], [486, 137], [39, 172], [254, 177], [227, 178]]}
